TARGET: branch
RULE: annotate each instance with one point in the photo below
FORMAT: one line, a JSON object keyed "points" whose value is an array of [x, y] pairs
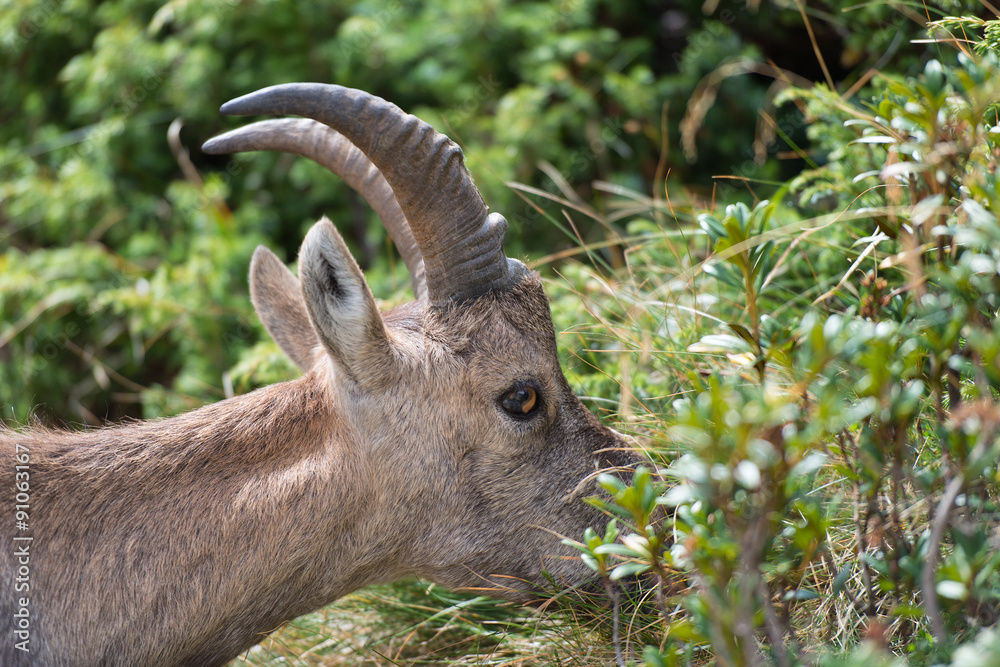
{"points": [[930, 566]]}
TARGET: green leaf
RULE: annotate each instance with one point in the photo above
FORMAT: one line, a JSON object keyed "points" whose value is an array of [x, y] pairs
{"points": [[840, 581], [683, 630], [953, 590], [613, 508], [742, 332], [801, 594], [652, 658], [617, 549], [719, 343], [712, 226], [874, 139], [629, 570]]}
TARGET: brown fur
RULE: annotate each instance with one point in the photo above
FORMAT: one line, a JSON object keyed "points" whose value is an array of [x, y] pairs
{"points": [[184, 541]]}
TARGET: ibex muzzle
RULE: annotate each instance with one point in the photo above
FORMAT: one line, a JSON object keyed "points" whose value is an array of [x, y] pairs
{"points": [[439, 439]]}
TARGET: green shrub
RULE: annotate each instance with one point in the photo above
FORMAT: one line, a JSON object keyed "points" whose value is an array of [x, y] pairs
{"points": [[830, 461]]}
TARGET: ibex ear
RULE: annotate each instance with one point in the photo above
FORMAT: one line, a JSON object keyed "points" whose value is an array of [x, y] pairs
{"points": [[277, 298], [341, 306]]}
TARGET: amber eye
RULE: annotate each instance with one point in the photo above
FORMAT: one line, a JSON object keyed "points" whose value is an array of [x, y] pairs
{"points": [[520, 400]]}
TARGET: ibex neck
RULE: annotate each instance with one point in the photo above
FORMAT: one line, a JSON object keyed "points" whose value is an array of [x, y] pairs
{"points": [[176, 532]]}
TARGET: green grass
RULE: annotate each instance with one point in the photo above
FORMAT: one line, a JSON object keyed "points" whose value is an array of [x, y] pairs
{"points": [[415, 623]]}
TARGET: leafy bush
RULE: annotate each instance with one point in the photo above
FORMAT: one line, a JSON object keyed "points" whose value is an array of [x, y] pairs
{"points": [[830, 453]]}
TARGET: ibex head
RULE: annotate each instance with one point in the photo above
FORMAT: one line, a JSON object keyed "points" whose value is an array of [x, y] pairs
{"points": [[461, 418], [439, 439]]}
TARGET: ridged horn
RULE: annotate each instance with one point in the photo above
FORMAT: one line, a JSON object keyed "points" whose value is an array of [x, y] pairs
{"points": [[329, 148], [462, 245]]}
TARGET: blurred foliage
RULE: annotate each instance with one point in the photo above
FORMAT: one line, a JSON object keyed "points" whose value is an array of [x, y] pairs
{"points": [[592, 90]]}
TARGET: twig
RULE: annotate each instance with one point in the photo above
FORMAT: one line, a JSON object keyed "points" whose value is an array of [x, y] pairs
{"points": [[815, 45], [743, 626], [181, 154], [771, 622], [661, 603], [615, 621], [860, 524], [720, 647], [90, 358], [954, 488], [930, 565]]}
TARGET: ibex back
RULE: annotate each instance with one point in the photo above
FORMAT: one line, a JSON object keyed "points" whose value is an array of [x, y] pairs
{"points": [[439, 439]]}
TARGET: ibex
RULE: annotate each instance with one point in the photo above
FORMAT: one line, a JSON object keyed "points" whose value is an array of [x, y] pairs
{"points": [[439, 439]]}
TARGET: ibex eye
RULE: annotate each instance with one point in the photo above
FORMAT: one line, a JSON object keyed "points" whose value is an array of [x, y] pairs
{"points": [[520, 400]]}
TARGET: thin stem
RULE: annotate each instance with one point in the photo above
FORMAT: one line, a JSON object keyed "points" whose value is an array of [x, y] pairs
{"points": [[615, 621], [660, 601], [930, 566], [748, 281], [773, 625], [860, 526]]}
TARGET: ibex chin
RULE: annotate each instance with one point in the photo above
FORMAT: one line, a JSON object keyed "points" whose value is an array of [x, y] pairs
{"points": [[439, 439]]}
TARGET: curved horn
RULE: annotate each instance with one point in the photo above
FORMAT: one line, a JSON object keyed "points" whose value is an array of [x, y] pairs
{"points": [[329, 148], [461, 245]]}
